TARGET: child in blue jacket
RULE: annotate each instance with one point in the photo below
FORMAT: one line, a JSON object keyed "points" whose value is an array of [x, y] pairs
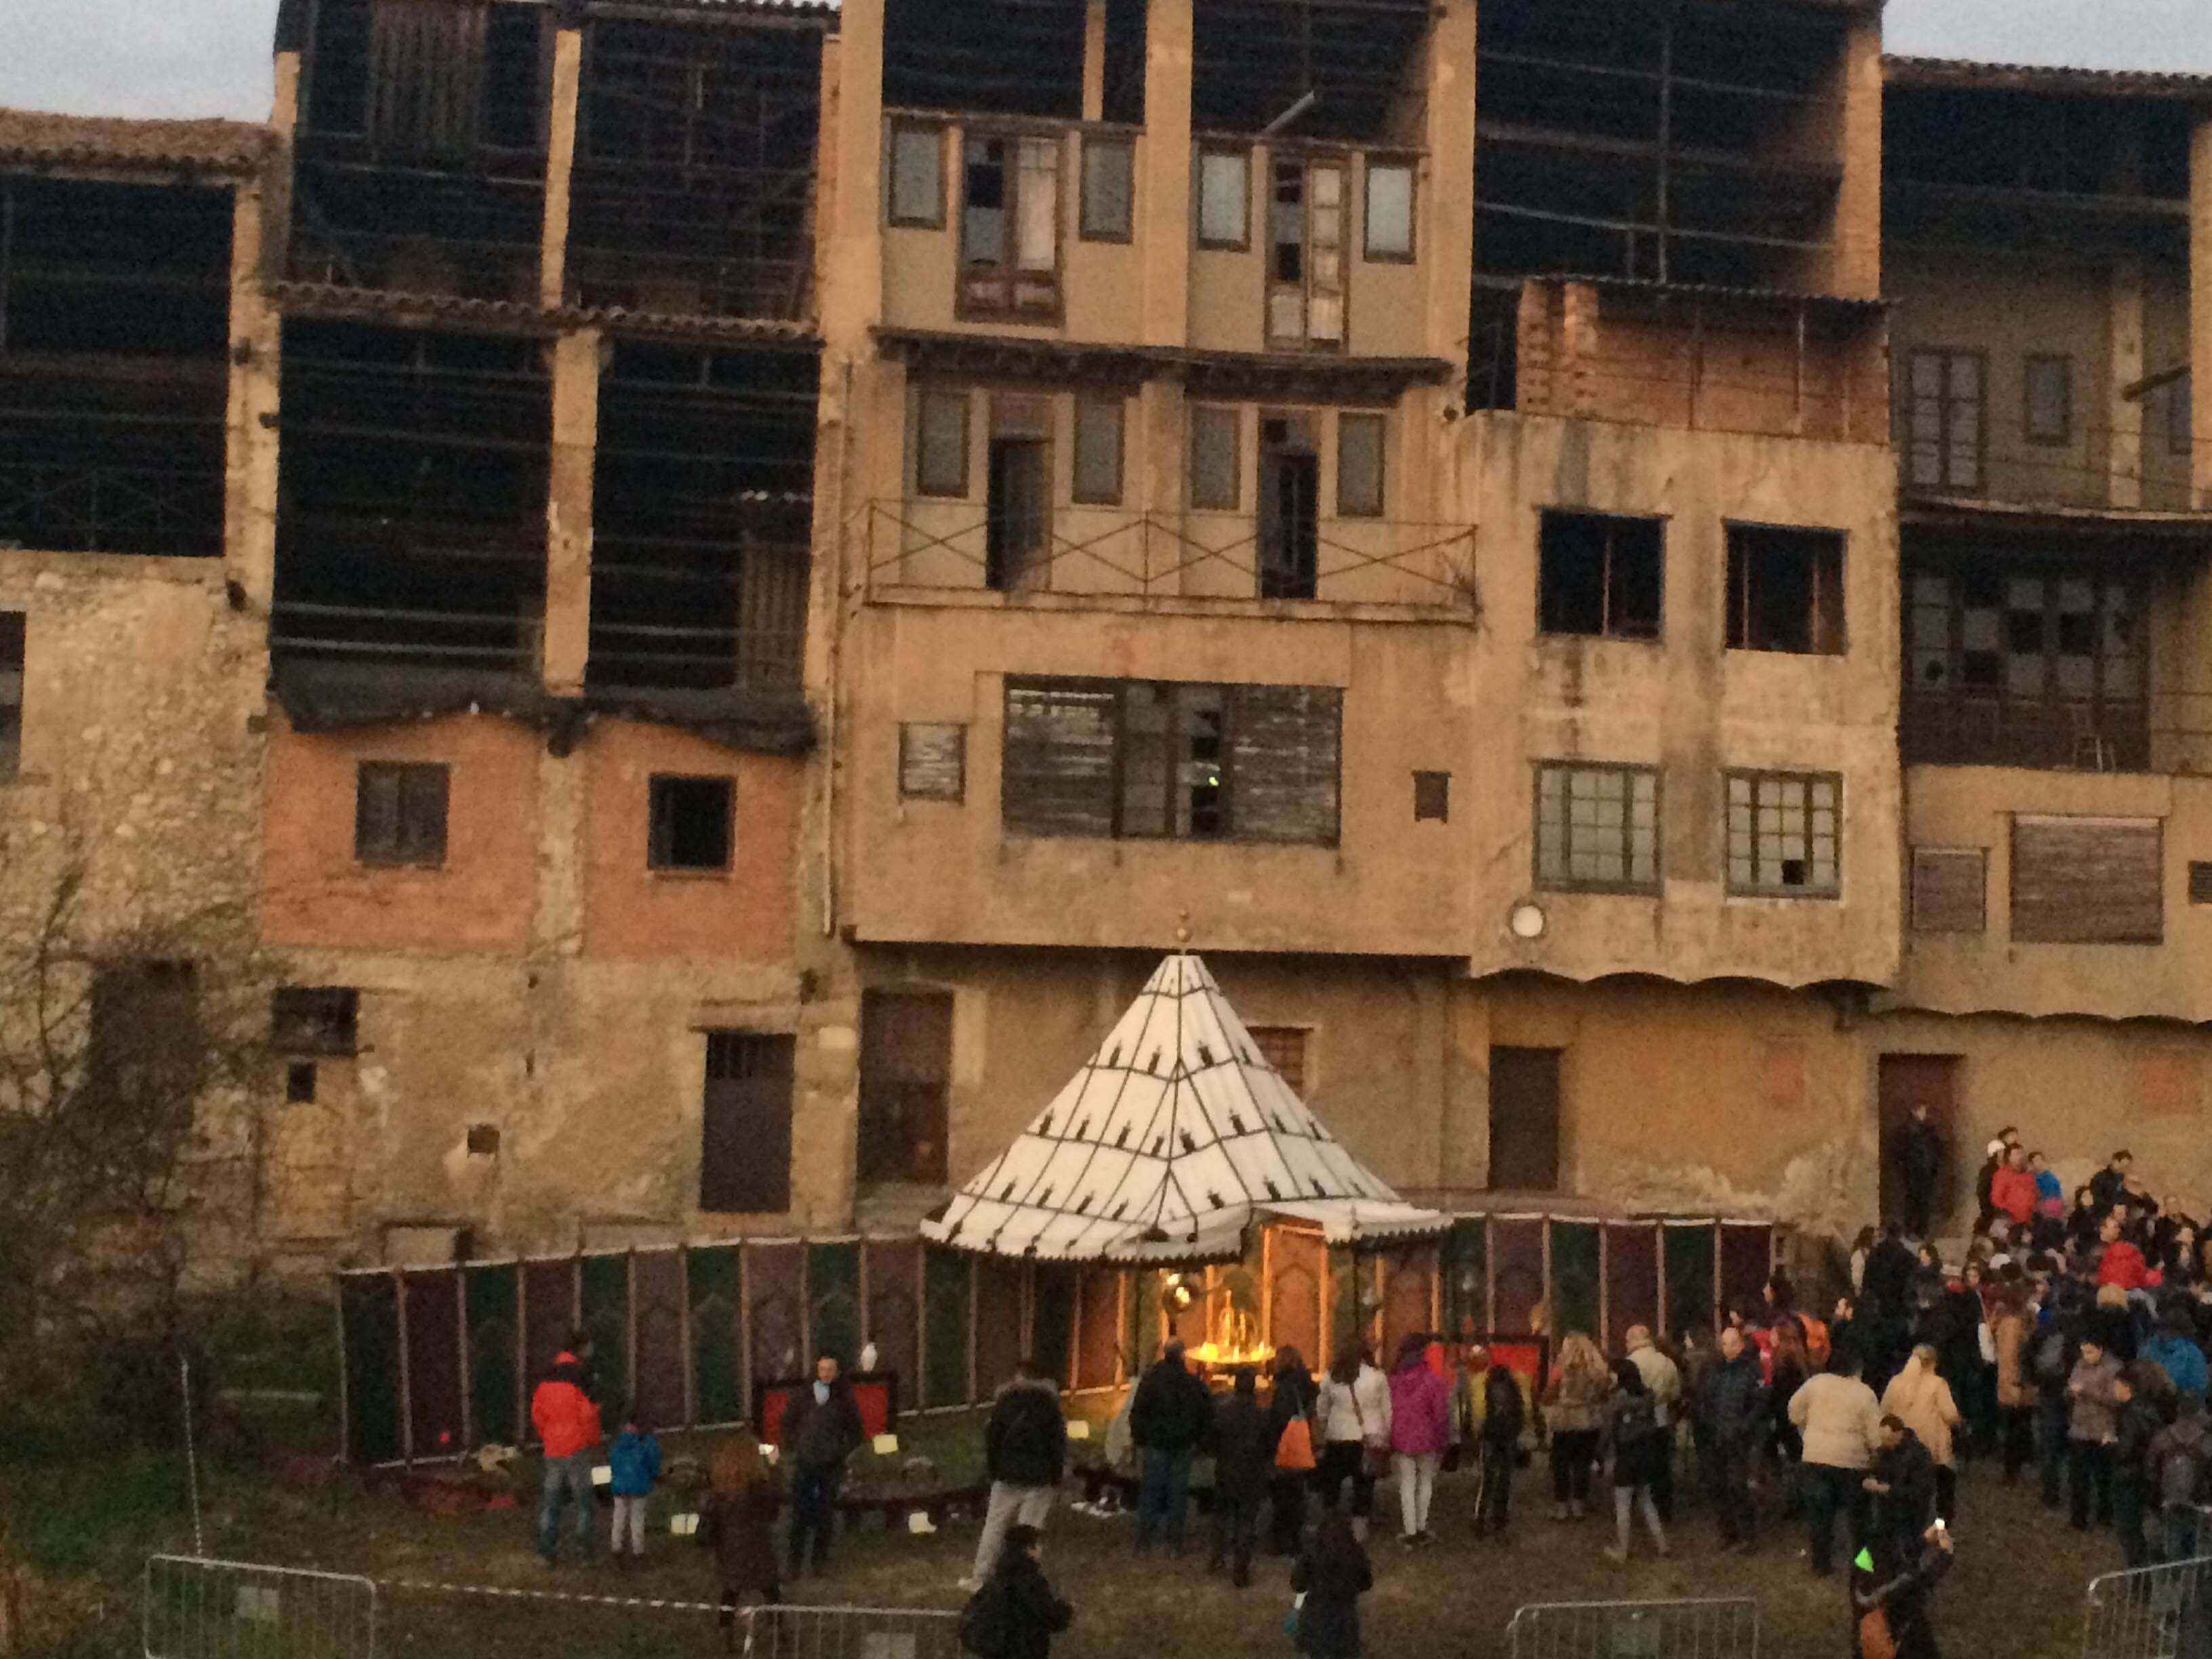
{"points": [[633, 1465]]}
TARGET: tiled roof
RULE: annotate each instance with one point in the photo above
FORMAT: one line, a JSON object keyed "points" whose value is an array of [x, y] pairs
{"points": [[336, 299], [105, 140], [2037, 77]]}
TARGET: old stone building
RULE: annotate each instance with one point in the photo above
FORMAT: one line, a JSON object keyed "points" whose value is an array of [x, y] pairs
{"points": [[1631, 577]]}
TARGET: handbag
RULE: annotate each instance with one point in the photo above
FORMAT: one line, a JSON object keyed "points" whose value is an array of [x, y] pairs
{"points": [[1294, 1450], [1290, 1619], [1875, 1641], [1988, 1344], [1374, 1456]]}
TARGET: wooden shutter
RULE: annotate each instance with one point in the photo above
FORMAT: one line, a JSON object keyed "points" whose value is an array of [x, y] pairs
{"points": [[1283, 764], [1947, 888], [1057, 759], [2087, 881], [426, 75], [2200, 882], [745, 1155]]}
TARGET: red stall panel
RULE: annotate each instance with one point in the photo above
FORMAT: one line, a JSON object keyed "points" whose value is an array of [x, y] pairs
{"points": [[431, 1308], [775, 1311], [892, 1266], [657, 1307]]}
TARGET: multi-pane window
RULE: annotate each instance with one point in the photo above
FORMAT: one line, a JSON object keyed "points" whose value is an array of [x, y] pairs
{"points": [[1305, 254], [1141, 759], [1601, 574], [1783, 834], [1597, 827], [399, 814], [11, 692], [1215, 474], [2025, 665], [1359, 466], [1389, 217], [1108, 187], [1009, 225], [1098, 424], [1946, 405], [1224, 219], [2047, 399], [940, 450], [917, 175], [1785, 589]]}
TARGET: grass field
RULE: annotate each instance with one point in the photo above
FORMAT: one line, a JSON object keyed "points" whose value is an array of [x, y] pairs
{"points": [[85, 1518]]}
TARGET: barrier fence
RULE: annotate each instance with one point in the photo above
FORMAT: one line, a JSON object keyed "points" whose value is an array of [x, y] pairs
{"points": [[201, 1609], [2141, 1613], [786, 1632], [1635, 1630], [439, 1359]]}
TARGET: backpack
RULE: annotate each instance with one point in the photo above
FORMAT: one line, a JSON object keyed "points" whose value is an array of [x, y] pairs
{"points": [[2181, 1471], [2051, 1356], [1634, 1418], [982, 1628]]}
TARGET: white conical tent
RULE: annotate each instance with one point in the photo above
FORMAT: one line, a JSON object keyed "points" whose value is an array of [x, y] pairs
{"points": [[1174, 1136]]}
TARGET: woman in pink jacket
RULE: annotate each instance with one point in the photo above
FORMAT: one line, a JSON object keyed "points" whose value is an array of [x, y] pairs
{"points": [[1420, 1426]]}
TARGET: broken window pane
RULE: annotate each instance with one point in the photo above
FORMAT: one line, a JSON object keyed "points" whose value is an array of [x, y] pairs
{"points": [[1597, 827], [2049, 397], [1109, 175], [1223, 221], [1359, 466], [690, 824], [1389, 210], [1785, 590], [1601, 574], [399, 814], [941, 453], [1783, 834], [983, 202], [917, 175], [1215, 480], [1098, 451]]}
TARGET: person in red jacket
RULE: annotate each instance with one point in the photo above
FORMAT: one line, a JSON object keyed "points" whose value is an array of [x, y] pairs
{"points": [[2012, 1189], [567, 1423], [2121, 1263]]}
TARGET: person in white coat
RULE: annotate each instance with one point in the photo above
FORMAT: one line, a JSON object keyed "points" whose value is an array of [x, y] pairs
{"points": [[1353, 1415]]}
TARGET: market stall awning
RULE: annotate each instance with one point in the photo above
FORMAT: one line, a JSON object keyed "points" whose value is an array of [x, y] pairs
{"points": [[1171, 1139]]}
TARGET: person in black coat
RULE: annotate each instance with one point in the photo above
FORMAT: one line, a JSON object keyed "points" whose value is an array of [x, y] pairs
{"points": [[1332, 1574], [1291, 1397], [1025, 1447], [821, 1428], [1918, 1154], [1901, 1480], [1900, 1577], [1243, 1443], [1732, 1421], [1030, 1612], [1168, 1419]]}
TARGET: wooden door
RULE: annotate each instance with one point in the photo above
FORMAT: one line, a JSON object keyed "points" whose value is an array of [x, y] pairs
{"points": [[1905, 1081], [905, 1074], [1524, 1120], [744, 1162]]}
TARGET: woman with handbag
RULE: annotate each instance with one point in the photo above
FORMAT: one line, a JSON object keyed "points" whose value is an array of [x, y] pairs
{"points": [[1893, 1596], [1291, 1413], [1354, 1412]]}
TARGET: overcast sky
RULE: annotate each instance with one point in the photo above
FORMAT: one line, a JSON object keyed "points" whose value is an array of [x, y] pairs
{"points": [[211, 57]]}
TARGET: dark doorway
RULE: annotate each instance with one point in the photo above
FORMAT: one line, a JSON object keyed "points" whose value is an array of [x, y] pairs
{"points": [[905, 1074], [1017, 520], [744, 1151], [1524, 1120], [1905, 1081], [1289, 496]]}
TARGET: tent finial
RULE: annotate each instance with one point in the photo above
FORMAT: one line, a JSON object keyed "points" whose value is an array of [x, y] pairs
{"points": [[1182, 930]]}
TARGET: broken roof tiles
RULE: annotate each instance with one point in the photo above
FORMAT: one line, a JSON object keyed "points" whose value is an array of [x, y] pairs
{"points": [[102, 141], [2043, 78]]}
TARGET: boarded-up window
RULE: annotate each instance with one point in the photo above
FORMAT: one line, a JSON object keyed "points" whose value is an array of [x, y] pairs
{"points": [[399, 814], [314, 1020], [1284, 1048], [1223, 219], [905, 1074], [1184, 760], [932, 760], [744, 1121], [1213, 469], [917, 175], [2047, 389], [426, 77], [1098, 451], [940, 462], [1359, 466], [1109, 170], [11, 692], [2087, 881], [2200, 882], [1948, 884]]}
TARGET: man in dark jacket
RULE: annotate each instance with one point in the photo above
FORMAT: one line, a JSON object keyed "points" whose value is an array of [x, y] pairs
{"points": [[1024, 1613], [821, 1428], [1244, 1442], [2180, 1462], [1025, 1444], [1731, 1418], [2136, 1425], [1919, 1159], [2110, 1184], [1902, 1478], [1168, 1419]]}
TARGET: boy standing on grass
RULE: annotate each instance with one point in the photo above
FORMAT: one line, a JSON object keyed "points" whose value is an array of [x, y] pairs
{"points": [[633, 1465]]}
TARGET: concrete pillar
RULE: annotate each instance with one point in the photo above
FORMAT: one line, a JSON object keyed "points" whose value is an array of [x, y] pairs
{"points": [[249, 504], [848, 258], [568, 511], [1093, 60], [1857, 256], [1157, 452], [1447, 216], [560, 162], [2200, 312], [2125, 414], [1575, 387], [1163, 195]]}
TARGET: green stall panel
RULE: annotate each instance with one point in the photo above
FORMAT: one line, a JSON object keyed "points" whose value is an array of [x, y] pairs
{"points": [[710, 1283], [1575, 1279], [944, 1319], [494, 1297], [1142, 1340], [1347, 1320], [1051, 1321], [606, 1317], [1689, 1267], [368, 1311], [1465, 1270], [832, 1300]]}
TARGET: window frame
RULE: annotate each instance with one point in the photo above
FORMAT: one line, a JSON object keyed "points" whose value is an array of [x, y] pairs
{"points": [[1944, 483], [1119, 404], [901, 127], [1431, 797], [1269, 1041], [1242, 154], [1803, 781], [659, 836], [924, 397], [1009, 269], [2063, 362], [1606, 631], [1379, 422], [400, 772], [314, 1020], [1308, 165], [1410, 166], [1568, 882], [1126, 143], [1234, 413], [1736, 594], [1914, 921]]}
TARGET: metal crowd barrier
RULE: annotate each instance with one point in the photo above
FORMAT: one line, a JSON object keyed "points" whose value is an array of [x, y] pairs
{"points": [[201, 1609], [1717, 1629], [789, 1632], [2139, 1613]]}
